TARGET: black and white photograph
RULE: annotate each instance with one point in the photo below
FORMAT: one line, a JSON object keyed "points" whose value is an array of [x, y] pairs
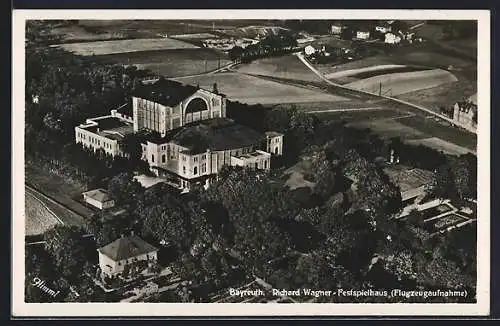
{"points": [[194, 157]]}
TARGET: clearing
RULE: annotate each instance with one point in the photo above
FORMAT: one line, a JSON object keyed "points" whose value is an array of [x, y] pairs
{"points": [[123, 46], [172, 63], [254, 90]]}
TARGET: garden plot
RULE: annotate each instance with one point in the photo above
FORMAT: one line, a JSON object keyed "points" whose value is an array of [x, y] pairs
{"points": [[254, 90], [123, 46], [401, 83], [445, 223]]}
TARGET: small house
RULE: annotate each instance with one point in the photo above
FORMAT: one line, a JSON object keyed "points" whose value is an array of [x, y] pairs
{"points": [[309, 50], [336, 28], [383, 28], [98, 198], [124, 251], [363, 34], [392, 38]]}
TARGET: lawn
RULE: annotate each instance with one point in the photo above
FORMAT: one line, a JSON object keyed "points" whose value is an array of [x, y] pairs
{"points": [[254, 90], [172, 63], [288, 66], [124, 46], [38, 219]]}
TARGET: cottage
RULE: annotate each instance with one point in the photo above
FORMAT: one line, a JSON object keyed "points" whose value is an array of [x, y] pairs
{"points": [[98, 198], [123, 252], [337, 28], [363, 34]]}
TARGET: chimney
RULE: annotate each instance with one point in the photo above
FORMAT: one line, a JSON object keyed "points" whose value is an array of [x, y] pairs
{"points": [[215, 89]]}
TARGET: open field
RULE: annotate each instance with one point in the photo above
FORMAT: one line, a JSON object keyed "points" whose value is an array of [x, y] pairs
{"points": [[320, 108], [194, 36], [378, 60], [400, 83], [351, 72], [442, 130], [252, 32], [442, 95], [61, 190], [439, 144], [38, 219], [80, 33], [172, 63], [365, 116], [288, 67], [254, 90], [123, 46]]}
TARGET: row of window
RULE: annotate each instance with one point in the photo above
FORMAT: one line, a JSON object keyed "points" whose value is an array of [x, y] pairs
{"points": [[94, 141], [195, 158], [203, 169]]}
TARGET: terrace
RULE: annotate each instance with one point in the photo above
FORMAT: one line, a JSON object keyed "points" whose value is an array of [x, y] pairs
{"points": [[109, 127]]}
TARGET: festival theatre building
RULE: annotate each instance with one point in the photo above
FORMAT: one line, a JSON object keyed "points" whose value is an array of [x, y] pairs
{"points": [[191, 137]]}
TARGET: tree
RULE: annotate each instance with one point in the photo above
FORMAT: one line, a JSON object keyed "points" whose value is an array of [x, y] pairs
{"points": [[66, 247], [125, 189], [235, 53]]}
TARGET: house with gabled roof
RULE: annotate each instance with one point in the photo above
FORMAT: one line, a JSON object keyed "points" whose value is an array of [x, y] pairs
{"points": [[124, 251]]}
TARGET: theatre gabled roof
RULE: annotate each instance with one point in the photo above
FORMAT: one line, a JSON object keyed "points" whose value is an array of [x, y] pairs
{"points": [[164, 91]]}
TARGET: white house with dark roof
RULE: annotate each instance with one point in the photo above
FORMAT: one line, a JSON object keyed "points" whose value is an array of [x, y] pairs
{"points": [[124, 251], [98, 198]]}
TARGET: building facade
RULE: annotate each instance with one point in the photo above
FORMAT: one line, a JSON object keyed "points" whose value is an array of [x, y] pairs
{"points": [[125, 251], [166, 105], [188, 136], [98, 198], [465, 113]]}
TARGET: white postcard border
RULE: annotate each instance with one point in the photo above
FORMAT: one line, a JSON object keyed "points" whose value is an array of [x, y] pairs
{"points": [[22, 309]]}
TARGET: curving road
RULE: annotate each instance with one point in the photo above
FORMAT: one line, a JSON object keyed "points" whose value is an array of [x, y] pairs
{"points": [[347, 91]]}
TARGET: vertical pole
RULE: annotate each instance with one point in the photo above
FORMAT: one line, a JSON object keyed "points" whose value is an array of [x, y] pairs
{"points": [[380, 89]]}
